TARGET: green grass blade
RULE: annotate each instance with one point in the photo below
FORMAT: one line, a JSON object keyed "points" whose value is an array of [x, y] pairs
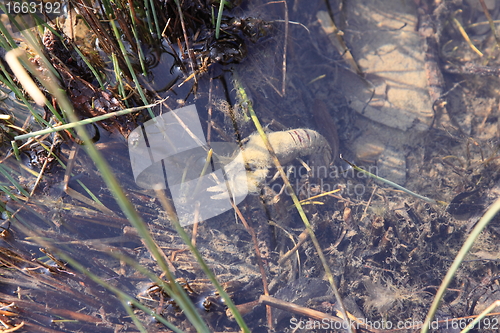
{"points": [[187, 240], [155, 18], [84, 121], [123, 296], [92, 68], [129, 65], [388, 182], [129, 210], [14, 182], [138, 43], [7, 80], [480, 317], [305, 220], [132, 315], [119, 80], [483, 222]]}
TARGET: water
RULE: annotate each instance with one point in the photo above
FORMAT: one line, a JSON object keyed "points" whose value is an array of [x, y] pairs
{"points": [[388, 250]]}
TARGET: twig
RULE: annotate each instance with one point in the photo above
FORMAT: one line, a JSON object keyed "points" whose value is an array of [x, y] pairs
{"points": [[302, 238], [263, 274], [335, 36], [188, 49]]}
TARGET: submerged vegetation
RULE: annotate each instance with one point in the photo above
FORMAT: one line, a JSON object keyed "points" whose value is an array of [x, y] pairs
{"points": [[83, 247]]}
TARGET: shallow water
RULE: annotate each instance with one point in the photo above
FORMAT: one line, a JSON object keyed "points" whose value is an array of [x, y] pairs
{"points": [[388, 250]]}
